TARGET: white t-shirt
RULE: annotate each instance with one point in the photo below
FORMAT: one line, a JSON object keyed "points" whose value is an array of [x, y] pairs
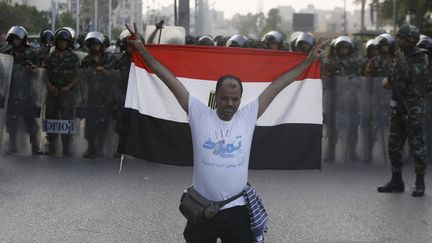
{"points": [[221, 150]]}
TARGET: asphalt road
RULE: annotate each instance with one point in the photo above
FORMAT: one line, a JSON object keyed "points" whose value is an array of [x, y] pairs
{"points": [[46, 199]]}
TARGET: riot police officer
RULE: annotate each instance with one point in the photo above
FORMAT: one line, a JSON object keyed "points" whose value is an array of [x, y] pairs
{"points": [[340, 70], [206, 41], [273, 40], [293, 39], [46, 42], [62, 66], [304, 42], [382, 65], [408, 82], [371, 47], [425, 42], [22, 96], [100, 97], [236, 41]]}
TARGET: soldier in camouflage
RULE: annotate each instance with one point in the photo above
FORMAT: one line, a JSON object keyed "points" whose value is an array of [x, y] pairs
{"points": [[62, 66], [21, 94], [46, 42], [382, 65], [101, 98], [408, 83], [426, 43]]}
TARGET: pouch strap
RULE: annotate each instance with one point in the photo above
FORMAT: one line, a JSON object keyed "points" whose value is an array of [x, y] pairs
{"points": [[224, 202]]}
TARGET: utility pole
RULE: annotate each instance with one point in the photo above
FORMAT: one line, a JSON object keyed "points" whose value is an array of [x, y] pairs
{"points": [[345, 19], [77, 16], [109, 18], [175, 13], [394, 17], [123, 13], [96, 15], [53, 15]]}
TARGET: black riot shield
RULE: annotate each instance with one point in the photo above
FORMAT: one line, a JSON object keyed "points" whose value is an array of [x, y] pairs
{"points": [[6, 65], [99, 93], [375, 125]]}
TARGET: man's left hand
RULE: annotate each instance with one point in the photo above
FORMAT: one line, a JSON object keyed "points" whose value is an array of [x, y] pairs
{"points": [[317, 51]]}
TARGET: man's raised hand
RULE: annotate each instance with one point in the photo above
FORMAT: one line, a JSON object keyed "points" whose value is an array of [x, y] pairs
{"points": [[318, 49], [135, 40]]}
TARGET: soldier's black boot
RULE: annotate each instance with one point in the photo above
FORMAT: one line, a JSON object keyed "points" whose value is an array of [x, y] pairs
{"points": [[396, 184], [34, 141], [420, 187]]}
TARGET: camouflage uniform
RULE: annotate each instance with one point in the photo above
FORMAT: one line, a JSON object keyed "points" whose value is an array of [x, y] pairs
{"points": [[335, 68], [62, 70], [22, 99], [100, 98], [42, 55], [410, 75]]}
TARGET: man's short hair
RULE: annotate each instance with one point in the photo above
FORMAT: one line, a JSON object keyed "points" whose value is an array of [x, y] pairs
{"points": [[229, 76]]}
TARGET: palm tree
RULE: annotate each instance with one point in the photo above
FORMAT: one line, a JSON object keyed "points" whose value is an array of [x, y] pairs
{"points": [[363, 4]]}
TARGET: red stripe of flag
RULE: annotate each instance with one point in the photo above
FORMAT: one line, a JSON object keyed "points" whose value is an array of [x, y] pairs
{"points": [[210, 63]]}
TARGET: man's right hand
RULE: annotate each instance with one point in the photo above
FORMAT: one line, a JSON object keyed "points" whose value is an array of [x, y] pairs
{"points": [[134, 40]]}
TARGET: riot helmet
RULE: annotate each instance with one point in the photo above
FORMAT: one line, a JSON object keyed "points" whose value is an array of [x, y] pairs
{"points": [[70, 30], [409, 32], [205, 41], [46, 37], [64, 35], [271, 38], [293, 39], [17, 32], [236, 41], [305, 42], [94, 37], [343, 41], [425, 42], [386, 40], [372, 48]]}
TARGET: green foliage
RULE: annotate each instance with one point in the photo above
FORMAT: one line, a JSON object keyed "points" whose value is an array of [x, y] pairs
{"points": [[115, 33], [66, 19], [257, 24], [419, 12], [29, 17]]}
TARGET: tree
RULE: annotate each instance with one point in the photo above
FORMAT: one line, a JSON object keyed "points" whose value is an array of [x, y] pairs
{"points": [[66, 19], [419, 13], [362, 18], [246, 24], [28, 17], [273, 22]]}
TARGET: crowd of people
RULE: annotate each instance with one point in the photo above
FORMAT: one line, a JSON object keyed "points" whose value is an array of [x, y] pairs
{"points": [[84, 80], [65, 56]]}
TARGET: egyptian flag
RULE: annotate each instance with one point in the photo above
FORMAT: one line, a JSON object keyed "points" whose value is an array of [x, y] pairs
{"points": [[287, 136]]}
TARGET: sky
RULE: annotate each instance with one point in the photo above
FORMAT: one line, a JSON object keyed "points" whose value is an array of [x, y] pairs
{"points": [[230, 7]]}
